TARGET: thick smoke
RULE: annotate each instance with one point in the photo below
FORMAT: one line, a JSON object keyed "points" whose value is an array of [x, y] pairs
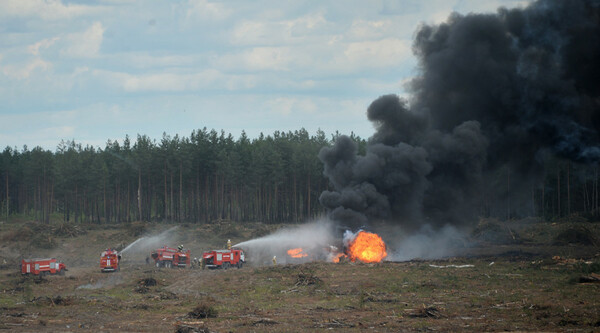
{"points": [[495, 92]]}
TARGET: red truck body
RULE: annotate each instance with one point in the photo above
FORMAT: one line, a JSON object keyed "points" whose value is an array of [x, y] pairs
{"points": [[110, 261], [42, 266], [223, 258], [169, 257]]}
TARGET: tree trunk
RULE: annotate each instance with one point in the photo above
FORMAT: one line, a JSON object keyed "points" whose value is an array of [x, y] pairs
{"points": [[180, 192], [308, 198], [569, 189], [139, 195], [166, 209], [508, 193], [7, 198], [558, 189]]}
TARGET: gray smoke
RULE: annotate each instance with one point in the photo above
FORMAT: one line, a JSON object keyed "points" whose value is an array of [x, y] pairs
{"points": [[494, 92], [109, 281], [314, 238]]}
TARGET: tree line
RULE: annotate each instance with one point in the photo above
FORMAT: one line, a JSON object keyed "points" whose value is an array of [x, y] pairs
{"points": [[206, 177], [212, 176]]}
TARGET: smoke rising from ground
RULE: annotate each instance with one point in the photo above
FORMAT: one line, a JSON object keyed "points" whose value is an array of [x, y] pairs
{"points": [[109, 281], [427, 243], [314, 238], [494, 92]]}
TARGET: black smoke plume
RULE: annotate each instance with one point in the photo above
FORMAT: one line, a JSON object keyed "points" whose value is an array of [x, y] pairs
{"points": [[494, 92]]}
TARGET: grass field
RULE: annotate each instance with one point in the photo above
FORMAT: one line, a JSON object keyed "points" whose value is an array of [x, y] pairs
{"points": [[496, 287]]}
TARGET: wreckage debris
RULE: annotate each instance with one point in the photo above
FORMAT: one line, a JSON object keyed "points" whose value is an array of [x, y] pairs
{"points": [[424, 312], [306, 280], [452, 266], [191, 328], [592, 278], [264, 321], [52, 301], [203, 311]]}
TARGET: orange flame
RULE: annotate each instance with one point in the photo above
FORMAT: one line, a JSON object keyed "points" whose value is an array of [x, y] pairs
{"points": [[337, 257], [296, 253], [367, 247]]}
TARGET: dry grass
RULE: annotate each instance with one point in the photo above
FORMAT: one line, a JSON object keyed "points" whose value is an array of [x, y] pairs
{"points": [[523, 290]]}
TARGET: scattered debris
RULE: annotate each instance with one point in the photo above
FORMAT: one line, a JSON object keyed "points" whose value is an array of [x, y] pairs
{"points": [[577, 234], [424, 312], [203, 311], [191, 327], [52, 301], [592, 278], [148, 282], [334, 323], [306, 280], [68, 230], [451, 266], [143, 284], [264, 321]]}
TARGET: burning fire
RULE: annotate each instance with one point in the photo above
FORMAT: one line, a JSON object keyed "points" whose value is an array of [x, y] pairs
{"points": [[337, 257], [366, 247], [296, 253]]}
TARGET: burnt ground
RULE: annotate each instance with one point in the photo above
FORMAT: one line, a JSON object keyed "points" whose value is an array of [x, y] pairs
{"points": [[536, 284]]}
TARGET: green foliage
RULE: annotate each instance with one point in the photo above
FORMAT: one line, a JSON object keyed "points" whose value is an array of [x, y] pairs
{"points": [[209, 176]]}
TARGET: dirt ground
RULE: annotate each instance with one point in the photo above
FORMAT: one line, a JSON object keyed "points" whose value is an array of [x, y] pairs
{"points": [[531, 285]]}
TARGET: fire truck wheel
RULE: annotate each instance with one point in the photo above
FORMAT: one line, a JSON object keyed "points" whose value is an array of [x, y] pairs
{"points": [[168, 264], [225, 265]]}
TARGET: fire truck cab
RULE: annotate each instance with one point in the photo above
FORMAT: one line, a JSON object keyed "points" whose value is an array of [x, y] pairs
{"points": [[42, 266], [223, 258], [110, 261], [170, 257]]}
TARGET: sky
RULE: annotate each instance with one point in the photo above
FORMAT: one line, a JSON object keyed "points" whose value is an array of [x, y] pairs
{"points": [[93, 71]]}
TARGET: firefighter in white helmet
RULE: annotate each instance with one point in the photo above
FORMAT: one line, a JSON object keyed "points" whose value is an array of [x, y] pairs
{"points": [[229, 244], [274, 260], [180, 247]]}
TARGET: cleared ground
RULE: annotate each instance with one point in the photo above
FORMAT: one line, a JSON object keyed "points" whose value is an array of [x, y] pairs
{"points": [[491, 287]]}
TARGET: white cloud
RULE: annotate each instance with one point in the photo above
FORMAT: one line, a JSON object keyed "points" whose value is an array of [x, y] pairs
{"points": [[50, 10], [45, 43], [206, 10], [376, 54], [175, 82], [25, 70], [363, 29], [85, 44], [308, 28], [257, 59], [285, 106]]}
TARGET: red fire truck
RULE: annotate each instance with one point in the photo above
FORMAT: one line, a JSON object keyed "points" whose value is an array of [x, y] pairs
{"points": [[169, 257], [42, 266], [223, 258], [110, 261]]}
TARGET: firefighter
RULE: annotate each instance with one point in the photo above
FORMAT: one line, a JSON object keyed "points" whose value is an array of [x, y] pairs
{"points": [[180, 248], [274, 260], [229, 244]]}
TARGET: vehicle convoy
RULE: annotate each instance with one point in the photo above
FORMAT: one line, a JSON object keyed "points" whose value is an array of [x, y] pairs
{"points": [[42, 266], [170, 257], [110, 261], [223, 258]]}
